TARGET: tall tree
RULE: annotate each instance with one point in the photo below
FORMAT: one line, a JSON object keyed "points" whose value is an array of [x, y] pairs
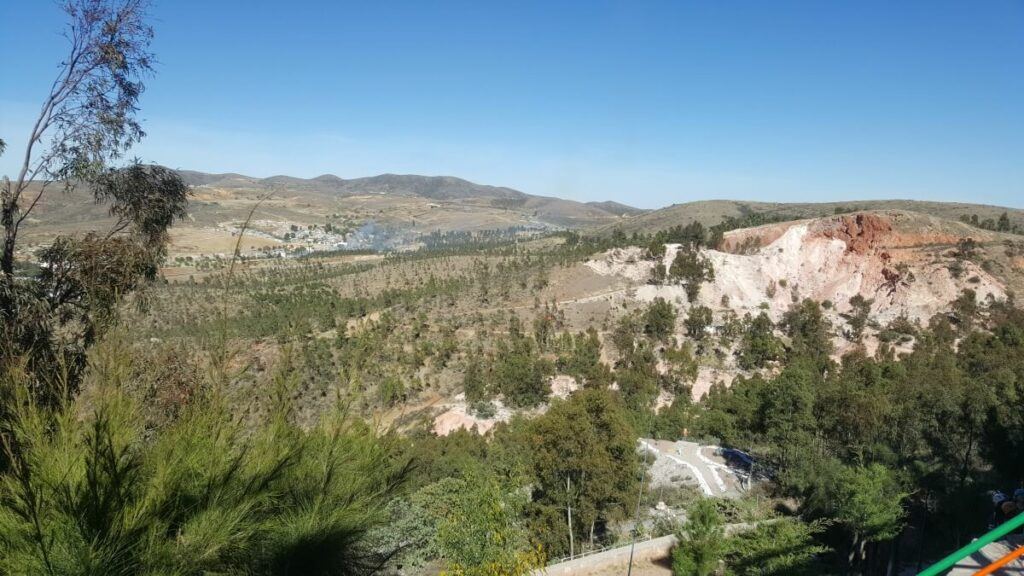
{"points": [[692, 269], [520, 373], [860, 309], [584, 457], [869, 503], [481, 531], [697, 321], [473, 383], [660, 319], [758, 344], [1004, 223], [809, 332], [88, 116], [87, 120]]}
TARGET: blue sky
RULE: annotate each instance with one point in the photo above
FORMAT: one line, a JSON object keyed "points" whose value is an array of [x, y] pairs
{"points": [[648, 103]]}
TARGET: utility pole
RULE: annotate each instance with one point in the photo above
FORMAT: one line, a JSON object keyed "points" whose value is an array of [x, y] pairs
{"points": [[636, 522], [568, 513], [661, 489]]}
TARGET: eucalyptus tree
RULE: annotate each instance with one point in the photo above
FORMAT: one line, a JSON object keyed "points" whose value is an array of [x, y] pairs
{"points": [[88, 121]]}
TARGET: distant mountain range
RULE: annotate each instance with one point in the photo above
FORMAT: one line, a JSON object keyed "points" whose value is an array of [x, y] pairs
{"points": [[546, 210], [409, 206], [433, 187]]}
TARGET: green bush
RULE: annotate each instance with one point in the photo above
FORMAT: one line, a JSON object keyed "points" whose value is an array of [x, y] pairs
{"points": [[660, 319], [90, 490], [701, 541]]}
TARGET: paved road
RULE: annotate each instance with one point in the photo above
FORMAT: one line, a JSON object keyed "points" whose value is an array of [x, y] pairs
{"points": [[709, 471]]}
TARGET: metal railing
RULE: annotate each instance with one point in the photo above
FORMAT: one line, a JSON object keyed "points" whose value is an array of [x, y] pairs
{"points": [[607, 548], [951, 560]]}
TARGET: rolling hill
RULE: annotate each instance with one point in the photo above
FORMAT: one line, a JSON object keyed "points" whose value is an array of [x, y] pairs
{"points": [[398, 211], [388, 210], [710, 212]]}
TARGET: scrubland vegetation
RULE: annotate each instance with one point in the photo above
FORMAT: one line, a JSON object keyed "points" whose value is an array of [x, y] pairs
{"points": [[861, 455], [278, 418], [256, 421]]}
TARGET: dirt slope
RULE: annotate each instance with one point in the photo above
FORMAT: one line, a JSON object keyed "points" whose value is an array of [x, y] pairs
{"points": [[400, 209], [900, 260], [710, 212], [908, 264]]}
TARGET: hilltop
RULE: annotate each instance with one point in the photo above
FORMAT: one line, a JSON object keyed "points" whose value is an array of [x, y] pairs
{"points": [[391, 211], [433, 187], [711, 212]]}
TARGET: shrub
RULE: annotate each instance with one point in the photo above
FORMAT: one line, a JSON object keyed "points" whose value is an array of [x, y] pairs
{"points": [[692, 269], [701, 541], [89, 492], [521, 374], [697, 321], [758, 345], [660, 319]]}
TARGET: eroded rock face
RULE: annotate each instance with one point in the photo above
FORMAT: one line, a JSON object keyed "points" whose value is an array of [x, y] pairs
{"points": [[457, 415], [904, 264], [747, 240], [901, 264], [860, 232]]}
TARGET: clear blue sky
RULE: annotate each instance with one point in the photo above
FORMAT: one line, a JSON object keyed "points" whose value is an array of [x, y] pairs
{"points": [[648, 103]]}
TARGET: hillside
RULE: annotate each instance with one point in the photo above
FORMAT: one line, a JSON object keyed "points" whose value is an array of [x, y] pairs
{"points": [[327, 212], [296, 215], [617, 208], [907, 265], [433, 187], [401, 335], [710, 212]]}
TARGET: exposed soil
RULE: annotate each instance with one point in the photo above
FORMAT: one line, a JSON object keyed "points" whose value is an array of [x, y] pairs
{"points": [[860, 232], [905, 264], [831, 260], [735, 241]]}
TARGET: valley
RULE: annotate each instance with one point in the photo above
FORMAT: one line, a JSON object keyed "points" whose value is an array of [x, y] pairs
{"points": [[419, 340], [682, 320], [905, 268], [476, 336]]}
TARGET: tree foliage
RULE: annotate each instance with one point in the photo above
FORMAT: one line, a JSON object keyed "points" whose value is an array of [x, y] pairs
{"points": [[698, 320], [520, 373], [701, 545], [88, 117], [691, 269], [481, 531], [875, 443], [758, 344], [583, 454], [809, 332], [780, 547], [584, 361], [87, 120], [660, 319], [88, 493]]}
